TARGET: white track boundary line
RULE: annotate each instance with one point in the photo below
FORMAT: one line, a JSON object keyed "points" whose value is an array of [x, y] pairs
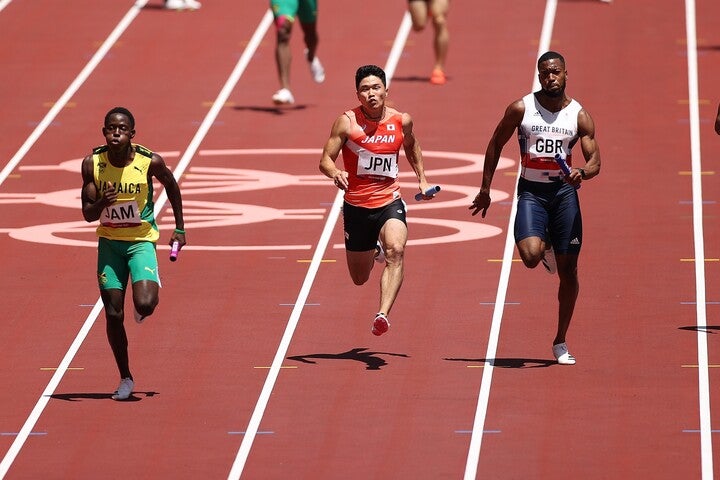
{"points": [[4, 3], [701, 308], [260, 406], [73, 88], [473, 458], [82, 334], [32, 419]]}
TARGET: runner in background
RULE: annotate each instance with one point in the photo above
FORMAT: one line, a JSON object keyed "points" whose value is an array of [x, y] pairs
{"points": [[437, 11], [285, 13]]}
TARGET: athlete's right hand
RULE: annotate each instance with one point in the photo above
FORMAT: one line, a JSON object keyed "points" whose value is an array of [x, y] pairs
{"points": [[110, 195], [340, 180], [481, 202]]}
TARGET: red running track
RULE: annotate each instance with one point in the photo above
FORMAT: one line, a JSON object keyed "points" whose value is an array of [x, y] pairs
{"points": [[347, 403]]}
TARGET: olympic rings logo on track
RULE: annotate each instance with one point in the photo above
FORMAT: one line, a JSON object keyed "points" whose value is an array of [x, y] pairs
{"points": [[206, 181]]}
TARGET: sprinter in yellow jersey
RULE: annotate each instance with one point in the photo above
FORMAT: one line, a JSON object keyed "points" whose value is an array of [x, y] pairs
{"points": [[118, 191], [370, 137]]}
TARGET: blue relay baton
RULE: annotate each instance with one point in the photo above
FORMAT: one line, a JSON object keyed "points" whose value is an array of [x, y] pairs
{"points": [[428, 193]]}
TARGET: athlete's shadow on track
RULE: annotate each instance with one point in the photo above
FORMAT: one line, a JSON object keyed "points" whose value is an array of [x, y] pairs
{"points": [[78, 397], [273, 110], [508, 362], [370, 359], [706, 329]]}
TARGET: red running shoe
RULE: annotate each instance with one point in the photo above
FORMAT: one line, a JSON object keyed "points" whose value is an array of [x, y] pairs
{"points": [[380, 324]]}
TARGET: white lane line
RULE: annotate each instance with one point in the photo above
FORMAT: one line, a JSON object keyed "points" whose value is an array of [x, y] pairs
{"points": [[473, 457], [260, 406], [4, 3], [703, 378], [72, 89]]}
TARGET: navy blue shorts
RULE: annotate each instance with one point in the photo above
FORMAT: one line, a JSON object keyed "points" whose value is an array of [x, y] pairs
{"points": [[549, 210], [362, 225]]}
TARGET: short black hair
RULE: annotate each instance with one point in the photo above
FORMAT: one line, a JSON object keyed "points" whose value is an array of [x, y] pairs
{"points": [[550, 56], [121, 111], [368, 70]]}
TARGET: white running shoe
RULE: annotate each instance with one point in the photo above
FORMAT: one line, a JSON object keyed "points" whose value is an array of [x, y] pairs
{"points": [[563, 357], [283, 97], [549, 261], [182, 4], [379, 253], [316, 70], [124, 389]]}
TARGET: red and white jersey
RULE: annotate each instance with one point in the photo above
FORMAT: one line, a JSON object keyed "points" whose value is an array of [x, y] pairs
{"points": [[370, 156], [543, 134]]}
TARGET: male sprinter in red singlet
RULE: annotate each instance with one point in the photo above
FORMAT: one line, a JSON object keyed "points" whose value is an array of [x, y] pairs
{"points": [[118, 190], [370, 137], [548, 220]]}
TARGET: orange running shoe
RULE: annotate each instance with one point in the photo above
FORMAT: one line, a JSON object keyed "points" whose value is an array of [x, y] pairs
{"points": [[438, 77]]}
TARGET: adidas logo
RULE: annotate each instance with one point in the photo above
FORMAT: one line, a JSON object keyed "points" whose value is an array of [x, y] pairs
{"points": [[575, 241]]}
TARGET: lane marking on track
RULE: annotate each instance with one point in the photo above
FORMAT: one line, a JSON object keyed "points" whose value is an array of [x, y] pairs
{"points": [[47, 369], [704, 417], [323, 242], [473, 457], [685, 101], [281, 366], [484, 431], [262, 432]]}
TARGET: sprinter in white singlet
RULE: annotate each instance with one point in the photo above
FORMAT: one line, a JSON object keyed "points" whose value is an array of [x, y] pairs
{"points": [[548, 224]]}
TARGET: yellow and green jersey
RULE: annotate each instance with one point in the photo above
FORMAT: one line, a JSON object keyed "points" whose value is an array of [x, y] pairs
{"points": [[131, 217]]}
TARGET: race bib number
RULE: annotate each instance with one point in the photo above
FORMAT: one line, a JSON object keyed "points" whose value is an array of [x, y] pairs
{"points": [[381, 164], [121, 214]]}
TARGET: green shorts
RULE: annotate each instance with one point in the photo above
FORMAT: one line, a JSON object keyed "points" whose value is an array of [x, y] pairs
{"points": [[305, 10], [118, 260]]}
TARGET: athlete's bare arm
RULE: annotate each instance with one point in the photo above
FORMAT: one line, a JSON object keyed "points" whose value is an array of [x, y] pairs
{"points": [[92, 206], [508, 123], [413, 152], [331, 150], [159, 170], [588, 144]]}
